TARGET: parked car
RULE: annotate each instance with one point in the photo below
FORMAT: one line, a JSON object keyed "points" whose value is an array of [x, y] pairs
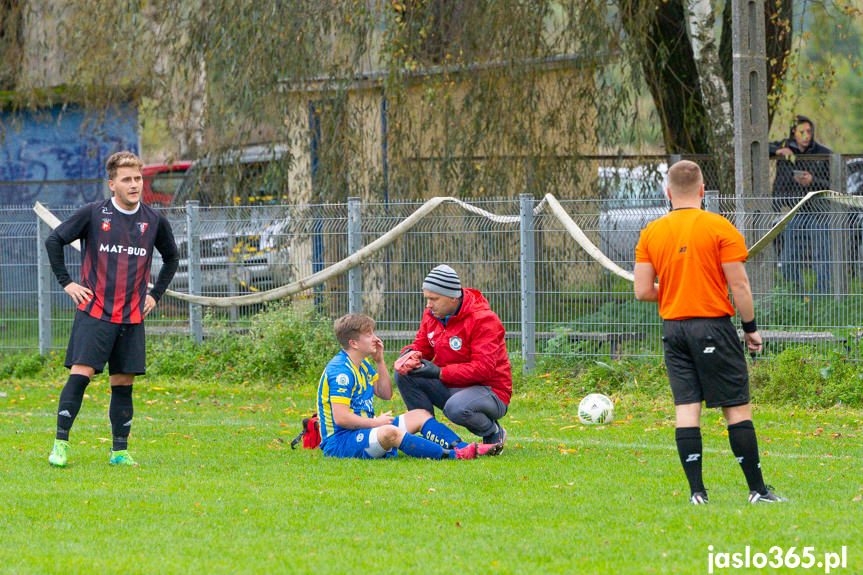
{"points": [[161, 182], [248, 176], [854, 176], [631, 198], [241, 250], [854, 186]]}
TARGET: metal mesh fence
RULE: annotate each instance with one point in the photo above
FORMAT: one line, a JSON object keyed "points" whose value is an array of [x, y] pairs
{"points": [[807, 283]]}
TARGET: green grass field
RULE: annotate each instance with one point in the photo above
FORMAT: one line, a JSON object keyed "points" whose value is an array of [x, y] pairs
{"points": [[220, 491]]}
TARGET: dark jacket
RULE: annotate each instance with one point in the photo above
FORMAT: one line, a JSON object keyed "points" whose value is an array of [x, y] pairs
{"points": [[786, 191]]}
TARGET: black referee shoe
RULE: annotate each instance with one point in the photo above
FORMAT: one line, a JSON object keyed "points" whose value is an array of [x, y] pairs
{"points": [[698, 498], [768, 497]]}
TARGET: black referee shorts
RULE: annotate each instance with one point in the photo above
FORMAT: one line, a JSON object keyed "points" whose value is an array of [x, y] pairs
{"points": [[705, 362], [94, 342]]}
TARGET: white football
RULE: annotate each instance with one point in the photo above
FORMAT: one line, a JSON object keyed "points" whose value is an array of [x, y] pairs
{"points": [[596, 409]]}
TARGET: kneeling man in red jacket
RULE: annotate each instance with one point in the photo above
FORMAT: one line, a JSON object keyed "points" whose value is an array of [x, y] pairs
{"points": [[457, 362]]}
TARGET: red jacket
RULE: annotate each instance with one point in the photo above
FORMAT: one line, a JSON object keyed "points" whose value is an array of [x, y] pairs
{"points": [[470, 349]]}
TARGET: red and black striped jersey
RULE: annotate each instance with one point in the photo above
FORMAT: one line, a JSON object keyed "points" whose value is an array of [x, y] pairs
{"points": [[116, 255]]}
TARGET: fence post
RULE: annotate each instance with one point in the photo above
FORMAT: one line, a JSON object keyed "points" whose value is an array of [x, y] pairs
{"points": [[837, 173], [193, 242], [355, 277], [838, 228], [674, 158], [527, 259], [711, 201], [43, 285], [234, 254]]}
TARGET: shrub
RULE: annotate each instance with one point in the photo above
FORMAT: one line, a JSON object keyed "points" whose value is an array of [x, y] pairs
{"points": [[285, 340], [21, 365], [579, 376], [804, 377], [281, 343]]}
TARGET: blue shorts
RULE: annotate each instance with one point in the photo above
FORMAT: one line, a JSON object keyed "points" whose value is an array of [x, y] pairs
{"points": [[358, 444]]}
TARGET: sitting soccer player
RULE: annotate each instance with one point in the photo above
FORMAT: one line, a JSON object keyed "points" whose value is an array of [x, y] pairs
{"points": [[349, 427]]}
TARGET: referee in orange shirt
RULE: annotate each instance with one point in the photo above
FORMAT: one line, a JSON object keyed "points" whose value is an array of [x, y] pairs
{"points": [[697, 257]]}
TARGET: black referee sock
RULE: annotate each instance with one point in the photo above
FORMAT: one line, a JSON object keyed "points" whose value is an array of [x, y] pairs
{"points": [[689, 449], [744, 445], [120, 413], [70, 403]]}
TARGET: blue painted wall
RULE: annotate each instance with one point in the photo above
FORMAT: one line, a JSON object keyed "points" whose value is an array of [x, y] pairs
{"points": [[61, 143]]}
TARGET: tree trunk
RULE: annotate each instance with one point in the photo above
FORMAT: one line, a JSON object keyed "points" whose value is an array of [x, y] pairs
{"points": [[700, 20], [657, 31]]}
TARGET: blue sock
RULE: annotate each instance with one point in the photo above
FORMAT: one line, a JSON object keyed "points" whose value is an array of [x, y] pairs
{"points": [[416, 446], [437, 432]]}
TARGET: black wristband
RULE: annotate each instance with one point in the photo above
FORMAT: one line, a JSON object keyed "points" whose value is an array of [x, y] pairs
{"points": [[749, 326]]}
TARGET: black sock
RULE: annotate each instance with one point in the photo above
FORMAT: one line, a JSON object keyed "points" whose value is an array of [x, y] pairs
{"points": [[744, 445], [689, 450], [70, 403], [493, 437], [120, 412]]}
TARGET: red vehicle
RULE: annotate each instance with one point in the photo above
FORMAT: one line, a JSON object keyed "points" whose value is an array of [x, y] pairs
{"points": [[161, 181]]}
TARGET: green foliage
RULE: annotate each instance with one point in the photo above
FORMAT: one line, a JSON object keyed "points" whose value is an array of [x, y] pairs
{"points": [[21, 365], [281, 344], [578, 376], [480, 96], [801, 376], [287, 340], [825, 77]]}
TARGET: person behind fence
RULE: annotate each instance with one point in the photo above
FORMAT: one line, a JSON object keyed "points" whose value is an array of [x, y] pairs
{"points": [[346, 413], [698, 256], [118, 236], [805, 236], [458, 362]]}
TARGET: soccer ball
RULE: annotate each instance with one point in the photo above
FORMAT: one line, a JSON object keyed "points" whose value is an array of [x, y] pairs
{"points": [[595, 409]]}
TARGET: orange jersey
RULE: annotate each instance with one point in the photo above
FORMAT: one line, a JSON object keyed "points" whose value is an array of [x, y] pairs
{"points": [[687, 248]]}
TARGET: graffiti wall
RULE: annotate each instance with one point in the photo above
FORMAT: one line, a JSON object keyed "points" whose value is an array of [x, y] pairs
{"points": [[41, 151]]}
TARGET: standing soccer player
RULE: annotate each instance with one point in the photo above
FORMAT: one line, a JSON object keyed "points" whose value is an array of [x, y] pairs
{"points": [[698, 256], [118, 237]]}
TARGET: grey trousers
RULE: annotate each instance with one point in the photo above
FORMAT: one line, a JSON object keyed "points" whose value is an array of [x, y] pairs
{"points": [[477, 408]]}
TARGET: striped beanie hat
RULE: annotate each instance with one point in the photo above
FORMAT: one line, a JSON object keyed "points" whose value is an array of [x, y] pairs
{"points": [[444, 281]]}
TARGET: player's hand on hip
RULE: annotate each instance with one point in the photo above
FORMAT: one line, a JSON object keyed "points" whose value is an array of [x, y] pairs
{"points": [[78, 293], [753, 341], [149, 304]]}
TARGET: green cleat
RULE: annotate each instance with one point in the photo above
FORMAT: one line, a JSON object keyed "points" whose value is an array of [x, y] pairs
{"points": [[59, 454], [122, 458]]}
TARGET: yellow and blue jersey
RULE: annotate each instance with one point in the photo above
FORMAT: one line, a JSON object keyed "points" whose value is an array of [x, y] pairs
{"points": [[348, 384]]}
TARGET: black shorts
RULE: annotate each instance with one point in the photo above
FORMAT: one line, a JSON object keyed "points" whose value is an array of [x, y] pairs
{"points": [[705, 362], [94, 342]]}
